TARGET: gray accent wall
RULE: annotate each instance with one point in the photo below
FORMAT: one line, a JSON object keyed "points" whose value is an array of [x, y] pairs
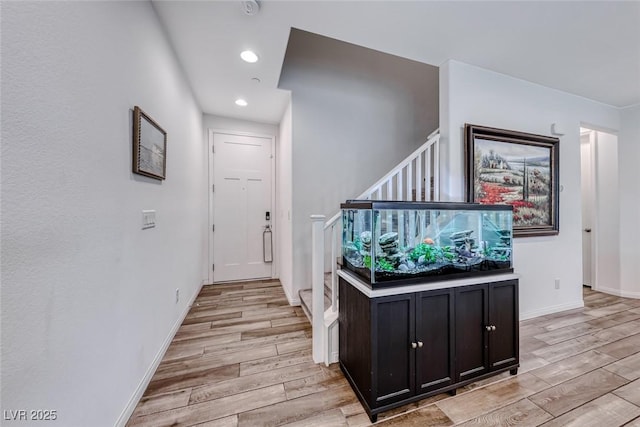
{"points": [[356, 113]]}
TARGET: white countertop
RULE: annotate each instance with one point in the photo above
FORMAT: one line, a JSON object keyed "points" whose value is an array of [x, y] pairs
{"points": [[357, 283]]}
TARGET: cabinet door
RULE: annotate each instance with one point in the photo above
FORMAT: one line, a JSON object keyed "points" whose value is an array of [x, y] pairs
{"points": [[503, 315], [435, 338], [355, 337], [471, 334], [393, 358]]}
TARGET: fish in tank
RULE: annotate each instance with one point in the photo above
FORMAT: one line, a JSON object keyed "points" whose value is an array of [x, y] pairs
{"points": [[400, 241]]}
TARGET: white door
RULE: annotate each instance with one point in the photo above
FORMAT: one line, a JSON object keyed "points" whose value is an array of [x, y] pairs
{"points": [[586, 176], [242, 200]]}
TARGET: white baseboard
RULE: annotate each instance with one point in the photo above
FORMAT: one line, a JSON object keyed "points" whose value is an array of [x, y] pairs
{"points": [[137, 395], [619, 292], [292, 300], [550, 310]]}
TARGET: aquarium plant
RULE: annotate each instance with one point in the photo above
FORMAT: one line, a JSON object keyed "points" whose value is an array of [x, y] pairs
{"points": [[384, 265], [429, 252]]}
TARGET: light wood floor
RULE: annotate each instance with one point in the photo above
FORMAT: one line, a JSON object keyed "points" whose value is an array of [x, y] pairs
{"points": [[242, 358]]}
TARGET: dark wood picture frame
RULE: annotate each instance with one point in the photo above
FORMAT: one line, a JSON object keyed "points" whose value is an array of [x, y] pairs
{"points": [[516, 168], [149, 146]]}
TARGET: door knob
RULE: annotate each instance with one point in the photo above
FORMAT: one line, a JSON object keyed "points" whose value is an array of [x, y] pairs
{"points": [[493, 327], [414, 345], [420, 344], [488, 328], [588, 230]]}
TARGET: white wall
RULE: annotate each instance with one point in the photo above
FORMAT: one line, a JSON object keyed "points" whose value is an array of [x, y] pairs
{"points": [[284, 200], [211, 121], [88, 298], [473, 95], [629, 158], [356, 114]]}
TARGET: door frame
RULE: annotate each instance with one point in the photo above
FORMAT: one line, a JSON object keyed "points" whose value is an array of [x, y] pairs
{"points": [[211, 196], [592, 205], [596, 179]]}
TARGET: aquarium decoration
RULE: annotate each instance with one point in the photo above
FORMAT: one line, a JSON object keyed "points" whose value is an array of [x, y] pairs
{"points": [[389, 243], [518, 169]]}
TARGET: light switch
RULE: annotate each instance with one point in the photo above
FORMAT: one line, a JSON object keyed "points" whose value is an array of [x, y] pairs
{"points": [[148, 219]]}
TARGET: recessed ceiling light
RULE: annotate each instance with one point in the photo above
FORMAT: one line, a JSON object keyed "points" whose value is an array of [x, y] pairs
{"points": [[241, 102], [249, 56]]}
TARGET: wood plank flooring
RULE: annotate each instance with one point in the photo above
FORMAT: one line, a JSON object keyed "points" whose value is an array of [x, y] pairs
{"points": [[243, 358]]}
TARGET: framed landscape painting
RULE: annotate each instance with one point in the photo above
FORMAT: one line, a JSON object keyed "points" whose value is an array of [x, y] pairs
{"points": [[518, 169], [149, 146]]}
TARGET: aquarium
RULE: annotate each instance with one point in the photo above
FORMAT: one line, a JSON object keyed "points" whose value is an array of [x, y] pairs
{"points": [[391, 243]]}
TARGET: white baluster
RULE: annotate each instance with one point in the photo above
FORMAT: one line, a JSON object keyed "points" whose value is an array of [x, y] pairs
{"points": [[317, 285], [436, 169], [419, 177], [409, 180], [334, 276], [427, 174]]}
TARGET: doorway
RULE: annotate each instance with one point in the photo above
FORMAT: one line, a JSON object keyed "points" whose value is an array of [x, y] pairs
{"points": [[241, 206], [587, 151], [600, 210]]}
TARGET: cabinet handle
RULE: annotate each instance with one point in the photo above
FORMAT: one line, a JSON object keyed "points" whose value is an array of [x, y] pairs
{"points": [[420, 344], [493, 327], [488, 328], [414, 345]]}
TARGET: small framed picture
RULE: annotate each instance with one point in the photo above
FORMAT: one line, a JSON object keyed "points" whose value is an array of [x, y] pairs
{"points": [[518, 169], [149, 146]]}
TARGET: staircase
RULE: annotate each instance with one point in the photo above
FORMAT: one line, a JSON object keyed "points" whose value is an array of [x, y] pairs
{"points": [[306, 297], [416, 178]]}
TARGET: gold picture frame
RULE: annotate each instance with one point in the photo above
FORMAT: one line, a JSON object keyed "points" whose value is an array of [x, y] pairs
{"points": [[149, 146]]}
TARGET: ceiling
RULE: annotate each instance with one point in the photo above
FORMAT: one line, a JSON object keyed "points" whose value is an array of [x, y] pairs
{"points": [[587, 48]]}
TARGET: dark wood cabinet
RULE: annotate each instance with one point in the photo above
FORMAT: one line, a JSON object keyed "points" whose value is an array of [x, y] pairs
{"points": [[471, 341], [489, 341], [397, 349], [393, 359], [435, 339], [504, 338]]}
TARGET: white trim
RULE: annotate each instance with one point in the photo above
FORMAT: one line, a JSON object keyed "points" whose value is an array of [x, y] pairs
{"points": [[319, 344], [332, 338], [292, 300], [620, 292], [274, 207], [210, 206], [595, 226], [553, 309], [240, 133], [146, 379], [429, 286]]}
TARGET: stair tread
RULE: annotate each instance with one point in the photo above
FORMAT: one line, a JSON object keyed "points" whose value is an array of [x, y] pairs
{"points": [[306, 298], [306, 301]]}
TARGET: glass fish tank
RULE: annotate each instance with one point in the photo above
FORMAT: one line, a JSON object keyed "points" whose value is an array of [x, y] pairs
{"points": [[392, 243]]}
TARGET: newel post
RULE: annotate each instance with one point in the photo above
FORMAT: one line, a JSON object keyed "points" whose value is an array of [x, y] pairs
{"points": [[317, 285]]}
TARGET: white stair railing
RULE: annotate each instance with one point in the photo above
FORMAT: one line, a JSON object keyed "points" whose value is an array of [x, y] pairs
{"points": [[416, 178]]}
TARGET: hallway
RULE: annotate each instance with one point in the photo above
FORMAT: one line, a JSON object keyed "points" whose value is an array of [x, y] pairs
{"points": [[243, 358]]}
